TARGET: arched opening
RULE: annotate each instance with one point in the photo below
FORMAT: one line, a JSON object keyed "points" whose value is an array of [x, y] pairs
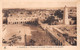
{"points": [[25, 22], [15, 22], [21, 22], [5, 21], [9, 22]]}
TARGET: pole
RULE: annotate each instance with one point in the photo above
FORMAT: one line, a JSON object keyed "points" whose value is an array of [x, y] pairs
{"points": [[25, 40]]}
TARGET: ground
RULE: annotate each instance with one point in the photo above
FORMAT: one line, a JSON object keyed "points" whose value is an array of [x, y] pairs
{"points": [[33, 32], [35, 35]]}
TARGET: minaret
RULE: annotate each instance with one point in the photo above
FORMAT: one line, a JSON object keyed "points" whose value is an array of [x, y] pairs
{"points": [[65, 17]]}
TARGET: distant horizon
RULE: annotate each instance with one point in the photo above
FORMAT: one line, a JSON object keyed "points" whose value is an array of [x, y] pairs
{"points": [[55, 8]]}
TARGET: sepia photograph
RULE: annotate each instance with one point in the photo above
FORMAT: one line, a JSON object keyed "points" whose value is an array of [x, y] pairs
{"points": [[55, 26]]}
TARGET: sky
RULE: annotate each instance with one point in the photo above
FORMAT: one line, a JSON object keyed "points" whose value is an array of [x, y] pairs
{"points": [[38, 3]]}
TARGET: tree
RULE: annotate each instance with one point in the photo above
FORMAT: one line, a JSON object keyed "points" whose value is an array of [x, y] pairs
{"points": [[59, 13], [49, 20]]}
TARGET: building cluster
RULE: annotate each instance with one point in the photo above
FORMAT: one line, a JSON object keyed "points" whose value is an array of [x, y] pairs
{"points": [[20, 16], [49, 21]]}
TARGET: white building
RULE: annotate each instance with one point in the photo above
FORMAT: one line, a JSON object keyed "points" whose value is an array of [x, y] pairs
{"points": [[20, 20]]}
